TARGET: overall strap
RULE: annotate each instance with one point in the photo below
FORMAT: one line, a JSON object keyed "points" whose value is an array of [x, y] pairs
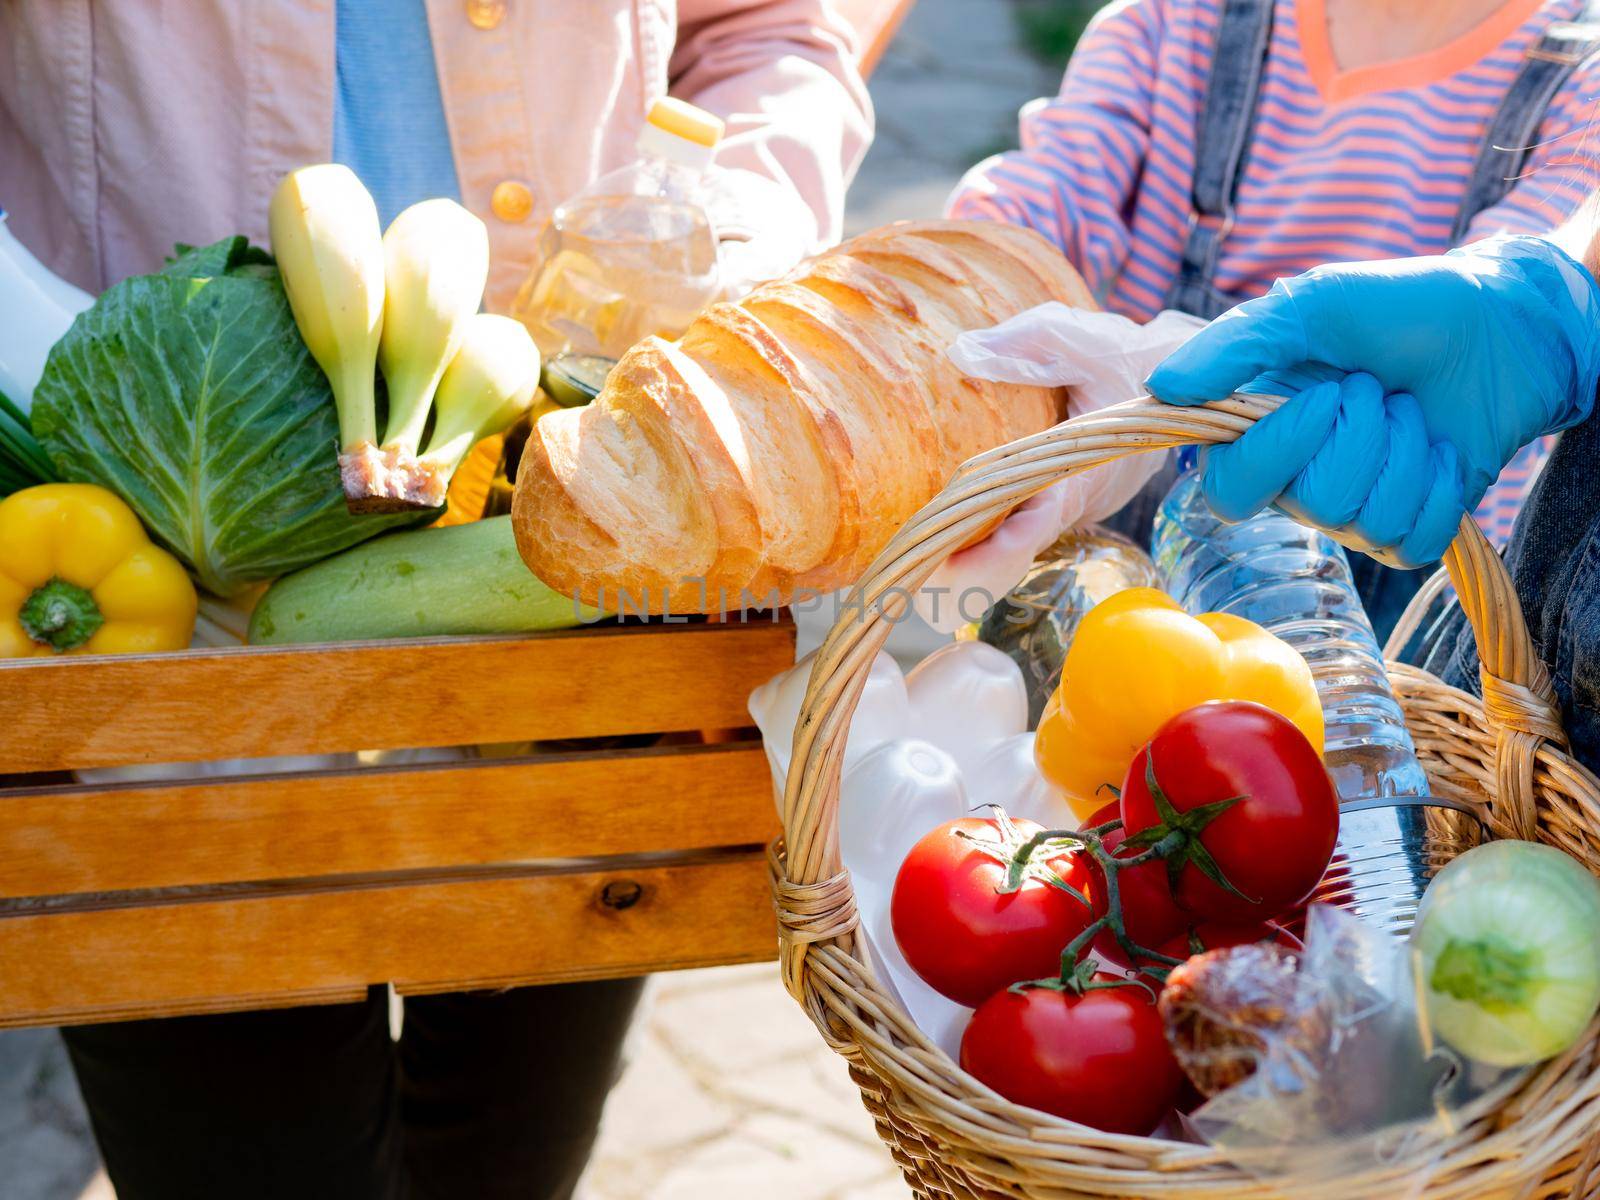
{"points": [[1560, 50], [1222, 141]]}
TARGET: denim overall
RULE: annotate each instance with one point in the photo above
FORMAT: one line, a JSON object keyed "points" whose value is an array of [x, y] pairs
{"points": [[1222, 145], [1554, 560]]}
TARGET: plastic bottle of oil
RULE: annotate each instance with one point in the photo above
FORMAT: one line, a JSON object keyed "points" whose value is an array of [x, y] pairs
{"points": [[632, 254]]}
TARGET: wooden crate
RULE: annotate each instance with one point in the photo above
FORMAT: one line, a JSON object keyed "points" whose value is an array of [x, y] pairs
{"points": [[160, 897]]}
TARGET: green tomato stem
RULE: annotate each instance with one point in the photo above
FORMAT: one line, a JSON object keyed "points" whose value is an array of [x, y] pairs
{"points": [[60, 615], [1072, 977]]}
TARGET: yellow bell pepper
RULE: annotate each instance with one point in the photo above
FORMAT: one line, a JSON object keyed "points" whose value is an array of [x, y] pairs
{"points": [[1138, 660], [78, 575]]}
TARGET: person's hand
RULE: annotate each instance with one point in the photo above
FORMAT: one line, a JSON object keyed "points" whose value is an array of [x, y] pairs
{"points": [[763, 228], [1433, 373], [1101, 357]]}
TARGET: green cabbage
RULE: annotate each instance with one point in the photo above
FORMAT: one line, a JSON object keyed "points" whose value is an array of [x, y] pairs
{"points": [[190, 394]]}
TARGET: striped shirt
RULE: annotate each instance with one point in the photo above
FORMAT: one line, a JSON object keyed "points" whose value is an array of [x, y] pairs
{"points": [[1343, 165]]}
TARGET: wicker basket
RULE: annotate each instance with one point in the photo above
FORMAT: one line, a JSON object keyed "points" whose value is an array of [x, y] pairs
{"points": [[951, 1135]]}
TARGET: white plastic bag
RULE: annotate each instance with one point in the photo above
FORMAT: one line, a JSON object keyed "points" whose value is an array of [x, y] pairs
{"points": [[966, 698], [919, 747], [1103, 358], [881, 715]]}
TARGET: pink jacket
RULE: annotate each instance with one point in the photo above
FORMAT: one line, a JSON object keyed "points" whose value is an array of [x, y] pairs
{"points": [[129, 125]]}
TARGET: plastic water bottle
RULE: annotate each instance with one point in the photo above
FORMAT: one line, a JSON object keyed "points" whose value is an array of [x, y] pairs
{"points": [[1296, 582]]}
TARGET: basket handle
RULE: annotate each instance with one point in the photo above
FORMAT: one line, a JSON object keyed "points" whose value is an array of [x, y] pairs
{"points": [[814, 897]]}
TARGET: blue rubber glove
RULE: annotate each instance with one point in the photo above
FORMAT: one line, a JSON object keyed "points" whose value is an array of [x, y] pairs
{"points": [[1435, 372]]}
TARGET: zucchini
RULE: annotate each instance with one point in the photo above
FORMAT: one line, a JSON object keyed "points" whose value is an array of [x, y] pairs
{"points": [[455, 579]]}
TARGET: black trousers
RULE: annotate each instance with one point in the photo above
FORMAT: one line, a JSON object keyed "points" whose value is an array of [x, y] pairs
{"points": [[486, 1096]]}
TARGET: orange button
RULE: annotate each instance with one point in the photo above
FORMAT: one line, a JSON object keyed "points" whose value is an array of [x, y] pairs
{"points": [[512, 201], [486, 14]]}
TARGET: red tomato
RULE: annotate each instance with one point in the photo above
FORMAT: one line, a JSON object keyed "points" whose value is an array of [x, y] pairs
{"points": [[1149, 914], [965, 937], [1099, 1058], [1218, 935], [1272, 843]]}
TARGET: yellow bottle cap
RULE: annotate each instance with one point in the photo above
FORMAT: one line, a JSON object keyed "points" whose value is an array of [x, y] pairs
{"points": [[686, 121]]}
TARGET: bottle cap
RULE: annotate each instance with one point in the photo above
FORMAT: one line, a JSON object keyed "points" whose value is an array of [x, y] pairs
{"points": [[686, 121], [681, 132], [573, 380]]}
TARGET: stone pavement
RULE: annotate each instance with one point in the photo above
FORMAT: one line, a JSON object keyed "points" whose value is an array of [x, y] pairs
{"points": [[46, 1152], [947, 94], [730, 1093]]}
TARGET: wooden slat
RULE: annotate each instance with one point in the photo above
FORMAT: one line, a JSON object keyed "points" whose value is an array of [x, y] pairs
{"points": [[61, 714], [55, 841], [875, 23], [228, 954]]}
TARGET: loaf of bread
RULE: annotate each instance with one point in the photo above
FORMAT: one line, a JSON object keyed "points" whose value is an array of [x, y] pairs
{"points": [[779, 443]]}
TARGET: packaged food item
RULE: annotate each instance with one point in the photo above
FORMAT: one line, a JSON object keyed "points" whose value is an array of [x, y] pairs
{"points": [[1318, 1060], [1035, 622], [634, 253], [882, 712], [923, 750], [1296, 583], [1219, 1009], [966, 698]]}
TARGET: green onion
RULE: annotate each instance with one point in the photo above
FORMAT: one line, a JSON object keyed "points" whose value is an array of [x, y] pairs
{"points": [[23, 461]]}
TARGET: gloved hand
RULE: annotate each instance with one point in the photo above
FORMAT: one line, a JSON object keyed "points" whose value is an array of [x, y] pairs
{"points": [[1442, 369], [763, 228], [1101, 357]]}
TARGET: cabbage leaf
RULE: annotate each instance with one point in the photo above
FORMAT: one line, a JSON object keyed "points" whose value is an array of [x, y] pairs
{"points": [[190, 394]]}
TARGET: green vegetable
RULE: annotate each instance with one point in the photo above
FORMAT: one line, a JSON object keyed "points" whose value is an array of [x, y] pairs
{"points": [[1507, 952], [452, 580], [190, 394], [23, 461]]}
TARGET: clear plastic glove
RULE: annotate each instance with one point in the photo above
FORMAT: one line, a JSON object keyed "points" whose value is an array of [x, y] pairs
{"points": [[763, 228], [1455, 363], [1102, 357]]}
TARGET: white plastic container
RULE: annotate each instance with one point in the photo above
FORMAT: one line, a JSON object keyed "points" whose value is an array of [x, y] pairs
{"points": [[36, 307]]}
